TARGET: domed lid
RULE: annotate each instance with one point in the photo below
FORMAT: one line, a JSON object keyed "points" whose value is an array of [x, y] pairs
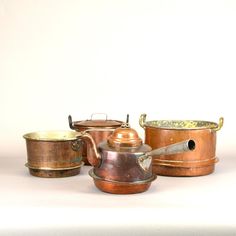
{"points": [[124, 137]]}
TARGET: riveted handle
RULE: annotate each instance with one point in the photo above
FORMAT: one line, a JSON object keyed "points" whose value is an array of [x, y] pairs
{"points": [[221, 122], [142, 120], [76, 144], [98, 114]]}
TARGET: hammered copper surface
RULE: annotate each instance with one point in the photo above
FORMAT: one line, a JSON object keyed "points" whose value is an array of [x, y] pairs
{"points": [[124, 137], [200, 161], [118, 187], [52, 157], [100, 130]]}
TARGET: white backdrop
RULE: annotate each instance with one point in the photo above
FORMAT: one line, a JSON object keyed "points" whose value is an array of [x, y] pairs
{"points": [[169, 59]]}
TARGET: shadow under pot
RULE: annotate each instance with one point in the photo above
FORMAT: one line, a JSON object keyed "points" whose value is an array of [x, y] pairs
{"points": [[99, 129], [53, 154], [123, 164], [201, 161]]}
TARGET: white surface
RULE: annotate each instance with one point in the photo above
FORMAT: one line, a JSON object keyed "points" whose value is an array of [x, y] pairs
{"points": [[172, 206], [170, 59]]}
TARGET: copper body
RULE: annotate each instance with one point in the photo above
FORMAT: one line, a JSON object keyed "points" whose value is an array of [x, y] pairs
{"points": [[122, 164], [200, 161], [100, 130], [53, 157]]}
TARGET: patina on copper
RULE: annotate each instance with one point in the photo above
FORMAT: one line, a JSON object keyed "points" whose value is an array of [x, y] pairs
{"points": [[100, 130], [53, 153], [201, 161], [122, 164]]}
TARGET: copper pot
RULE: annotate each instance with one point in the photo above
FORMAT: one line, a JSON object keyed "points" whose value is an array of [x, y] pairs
{"points": [[201, 161], [53, 153], [98, 129], [122, 164]]}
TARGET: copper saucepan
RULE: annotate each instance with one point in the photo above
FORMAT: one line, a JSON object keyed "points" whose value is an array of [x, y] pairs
{"points": [[122, 164], [201, 161]]}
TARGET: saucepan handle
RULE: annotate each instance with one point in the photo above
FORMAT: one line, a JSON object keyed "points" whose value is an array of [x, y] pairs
{"points": [[184, 146]]}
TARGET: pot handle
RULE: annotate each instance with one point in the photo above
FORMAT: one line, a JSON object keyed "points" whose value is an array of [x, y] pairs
{"points": [[221, 122], [98, 114], [71, 124], [142, 120], [76, 144]]}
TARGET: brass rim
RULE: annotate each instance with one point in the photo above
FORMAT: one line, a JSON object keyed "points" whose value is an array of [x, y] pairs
{"points": [[50, 168], [181, 124], [95, 177], [51, 135]]}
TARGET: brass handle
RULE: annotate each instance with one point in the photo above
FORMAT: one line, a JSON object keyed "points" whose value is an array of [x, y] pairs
{"points": [[98, 114], [142, 120], [221, 122], [76, 144]]}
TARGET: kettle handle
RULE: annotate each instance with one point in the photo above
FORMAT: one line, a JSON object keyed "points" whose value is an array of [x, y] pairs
{"points": [[93, 156]]}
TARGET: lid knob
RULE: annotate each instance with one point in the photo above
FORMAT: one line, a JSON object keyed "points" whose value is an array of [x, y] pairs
{"points": [[124, 137]]}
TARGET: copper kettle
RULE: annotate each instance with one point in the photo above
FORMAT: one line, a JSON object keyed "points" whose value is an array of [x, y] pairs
{"points": [[123, 164]]}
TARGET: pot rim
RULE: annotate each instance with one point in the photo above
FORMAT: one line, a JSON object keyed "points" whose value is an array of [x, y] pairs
{"points": [[55, 168], [181, 124], [51, 135], [90, 124], [95, 177]]}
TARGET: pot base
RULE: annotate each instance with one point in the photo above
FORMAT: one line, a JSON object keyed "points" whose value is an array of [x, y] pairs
{"points": [[181, 172], [55, 173], [116, 187]]}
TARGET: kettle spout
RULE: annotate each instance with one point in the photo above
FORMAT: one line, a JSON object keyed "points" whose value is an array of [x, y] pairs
{"points": [[94, 158]]}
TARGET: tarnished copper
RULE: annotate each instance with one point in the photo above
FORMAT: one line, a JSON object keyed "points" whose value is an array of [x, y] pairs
{"points": [[124, 166], [100, 130], [201, 161], [53, 153]]}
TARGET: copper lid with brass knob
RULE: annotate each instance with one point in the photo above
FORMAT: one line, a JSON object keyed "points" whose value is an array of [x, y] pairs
{"points": [[124, 137]]}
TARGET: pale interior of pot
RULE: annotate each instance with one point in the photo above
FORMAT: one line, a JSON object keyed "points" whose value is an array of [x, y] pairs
{"points": [[58, 135], [181, 124]]}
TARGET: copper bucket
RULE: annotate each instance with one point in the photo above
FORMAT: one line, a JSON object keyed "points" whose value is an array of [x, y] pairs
{"points": [[53, 154], [201, 161]]}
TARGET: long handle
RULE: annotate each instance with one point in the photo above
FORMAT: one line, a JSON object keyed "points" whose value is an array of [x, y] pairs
{"points": [[185, 146], [145, 160]]}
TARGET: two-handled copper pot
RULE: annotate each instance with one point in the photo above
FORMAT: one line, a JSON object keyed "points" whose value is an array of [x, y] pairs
{"points": [[123, 164], [201, 161]]}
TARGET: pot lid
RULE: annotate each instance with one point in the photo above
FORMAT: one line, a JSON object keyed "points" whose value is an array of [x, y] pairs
{"points": [[95, 123], [98, 123], [124, 137]]}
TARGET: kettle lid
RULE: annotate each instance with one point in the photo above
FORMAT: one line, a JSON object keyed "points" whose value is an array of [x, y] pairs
{"points": [[124, 136]]}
